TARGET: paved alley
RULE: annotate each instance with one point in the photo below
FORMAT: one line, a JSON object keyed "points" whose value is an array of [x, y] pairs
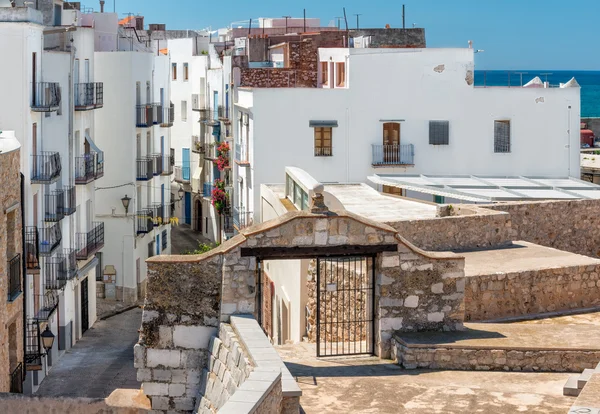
{"points": [[99, 363], [184, 239]]}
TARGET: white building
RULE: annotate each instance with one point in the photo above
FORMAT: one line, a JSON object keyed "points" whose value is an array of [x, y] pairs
{"points": [[133, 127], [404, 112], [53, 97]]}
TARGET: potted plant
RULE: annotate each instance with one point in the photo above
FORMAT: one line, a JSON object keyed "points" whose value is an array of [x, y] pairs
{"points": [[220, 198], [222, 156]]}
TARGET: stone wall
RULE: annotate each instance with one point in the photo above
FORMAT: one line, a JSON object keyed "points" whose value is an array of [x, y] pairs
{"points": [[278, 78], [11, 244], [531, 292], [492, 359], [573, 226], [396, 38], [478, 228], [125, 403]]}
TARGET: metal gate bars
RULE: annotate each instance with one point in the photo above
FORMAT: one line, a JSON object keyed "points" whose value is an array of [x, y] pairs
{"points": [[345, 305]]}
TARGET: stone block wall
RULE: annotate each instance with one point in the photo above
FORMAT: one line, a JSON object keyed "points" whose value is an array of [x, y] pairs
{"points": [[397, 38], [573, 226], [531, 292], [278, 78]]}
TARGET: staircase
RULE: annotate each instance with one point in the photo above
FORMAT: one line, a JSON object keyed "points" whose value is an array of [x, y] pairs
{"points": [[576, 382]]}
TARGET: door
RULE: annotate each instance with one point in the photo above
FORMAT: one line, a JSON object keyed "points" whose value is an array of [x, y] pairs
{"points": [[137, 271], [391, 142], [86, 71], [188, 208], [226, 101], [36, 162], [138, 146], [157, 244], [185, 164], [216, 105], [345, 305], [138, 94], [198, 215], [85, 320]]}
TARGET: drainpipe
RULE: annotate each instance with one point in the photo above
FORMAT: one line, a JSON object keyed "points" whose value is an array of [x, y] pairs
{"points": [[569, 143], [24, 270]]}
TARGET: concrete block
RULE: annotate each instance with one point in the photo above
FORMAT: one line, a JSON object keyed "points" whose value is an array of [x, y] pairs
{"points": [[216, 344], [571, 387], [193, 337], [161, 375], [139, 354], [176, 390], [193, 359], [163, 357], [155, 388], [184, 404], [585, 376], [144, 375], [160, 403], [165, 336], [178, 376]]}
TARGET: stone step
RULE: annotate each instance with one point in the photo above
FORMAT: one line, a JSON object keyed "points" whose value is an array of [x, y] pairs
{"points": [[570, 389], [585, 377]]}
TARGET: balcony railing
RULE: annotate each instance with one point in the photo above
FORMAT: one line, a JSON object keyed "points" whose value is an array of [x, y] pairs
{"points": [[54, 206], [32, 248], [91, 242], [157, 214], [45, 96], [50, 238], [158, 113], [241, 155], [70, 200], [57, 272], [223, 112], [145, 168], [198, 144], [182, 174], [207, 190], [144, 115], [228, 225], [89, 96], [393, 154], [158, 164], [145, 222], [168, 116], [70, 256], [14, 277], [89, 167], [33, 346], [45, 305], [45, 167], [168, 163], [16, 379], [242, 218]]}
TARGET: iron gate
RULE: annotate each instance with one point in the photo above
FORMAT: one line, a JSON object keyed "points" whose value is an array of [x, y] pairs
{"points": [[345, 305], [85, 320]]}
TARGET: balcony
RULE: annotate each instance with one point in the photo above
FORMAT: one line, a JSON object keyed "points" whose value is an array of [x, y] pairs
{"points": [[144, 221], [158, 214], [91, 242], [45, 305], [16, 379], [198, 144], [57, 272], [223, 113], [33, 346], [32, 249], [207, 190], [168, 163], [144, 115], [70, 256], [89, 167], [45, 167], [70, 204], [242, 218], [157, 117], [145, 168], [45, 97], [209, 117], [89, 96], [393, 155], [157, 168], [54, 206], [241, 155], [50, 238], [228, 224], [14, 277], [168, 116], [182, 174]]}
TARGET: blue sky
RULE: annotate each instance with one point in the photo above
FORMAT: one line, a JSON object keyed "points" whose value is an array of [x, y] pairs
{"points": [[515, 34]]}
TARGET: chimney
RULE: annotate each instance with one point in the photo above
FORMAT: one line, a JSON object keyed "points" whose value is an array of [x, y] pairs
{"points": [[101, 6]]}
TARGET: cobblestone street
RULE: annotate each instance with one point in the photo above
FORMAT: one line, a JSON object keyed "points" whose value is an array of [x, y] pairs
{"points": [[99, 363], [184, 239]]}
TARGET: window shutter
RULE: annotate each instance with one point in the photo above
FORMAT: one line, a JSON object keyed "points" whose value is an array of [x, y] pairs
{"points": [[439, 132], [501, 136]]}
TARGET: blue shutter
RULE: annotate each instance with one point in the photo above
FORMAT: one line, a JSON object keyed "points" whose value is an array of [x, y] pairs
{"points": [[185, 165]]}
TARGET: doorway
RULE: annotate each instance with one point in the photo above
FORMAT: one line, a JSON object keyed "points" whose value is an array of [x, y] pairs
{"points": [[391, 142], [85, 320], [198, 216]]}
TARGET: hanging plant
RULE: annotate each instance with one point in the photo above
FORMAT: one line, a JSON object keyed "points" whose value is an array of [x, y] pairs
{"points": [[220, 198], [222, 156]]}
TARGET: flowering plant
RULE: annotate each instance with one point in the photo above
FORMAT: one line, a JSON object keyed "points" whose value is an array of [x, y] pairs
{"points": [[222, 156], [220, 197]]}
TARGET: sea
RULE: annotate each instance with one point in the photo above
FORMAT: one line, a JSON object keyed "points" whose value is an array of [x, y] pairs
{"points": [[589, 81]]}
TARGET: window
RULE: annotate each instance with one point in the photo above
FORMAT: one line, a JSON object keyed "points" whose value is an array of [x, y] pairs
{"points": [[164, 240], [296, 194], [174, 70], [340, 74], [439, 132], [388, 189], [324, 73], [185, 72], [183, 111], [501, 136], [323, 141], [151, 249], [439, 199]]}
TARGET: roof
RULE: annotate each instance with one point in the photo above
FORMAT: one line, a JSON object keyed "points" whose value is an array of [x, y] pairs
{"points": [[482, 189], [126, 20], [164, 51]]}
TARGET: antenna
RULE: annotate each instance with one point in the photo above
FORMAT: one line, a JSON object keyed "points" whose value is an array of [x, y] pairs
{"points": [[357, 16], [339, 19], [345, 19], [403, 16], [521, 75], [546, 75], [286, 20]]}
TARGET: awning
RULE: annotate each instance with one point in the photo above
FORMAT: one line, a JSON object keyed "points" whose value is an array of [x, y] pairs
{"points": [[95, 148], [313, 124], [196, 180]]}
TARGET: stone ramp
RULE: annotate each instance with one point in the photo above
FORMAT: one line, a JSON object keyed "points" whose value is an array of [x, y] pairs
{"points": [[507, 347], [577, 382]]}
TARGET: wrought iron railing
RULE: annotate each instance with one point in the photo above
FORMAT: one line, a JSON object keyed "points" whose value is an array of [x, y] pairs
{"points": [[45, 305], [144, 115], [207, 190], [145, 222], [158, 113], [33, 345], [323, 152], [393, 154], [157, 214], [54, 206], [70, 256], [99, 95], [50, 238], [145, 168], [16, 379], [45, 96], [45, 167], [57, 273], [168, 162], [182, 173], [32, 248], [70, 204], [91, 242], [158, 164], [242, 218], [164, 239], [168, 116], [198, 144], [223, 112], [228, 226], [89, 167], [14, 277]]}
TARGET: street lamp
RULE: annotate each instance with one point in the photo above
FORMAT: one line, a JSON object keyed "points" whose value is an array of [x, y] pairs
{"points": [[181, 193], [47, 339], [125, 200]]}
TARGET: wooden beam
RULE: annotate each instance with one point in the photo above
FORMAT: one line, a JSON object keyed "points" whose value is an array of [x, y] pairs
{"points": [[265, 253]]}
